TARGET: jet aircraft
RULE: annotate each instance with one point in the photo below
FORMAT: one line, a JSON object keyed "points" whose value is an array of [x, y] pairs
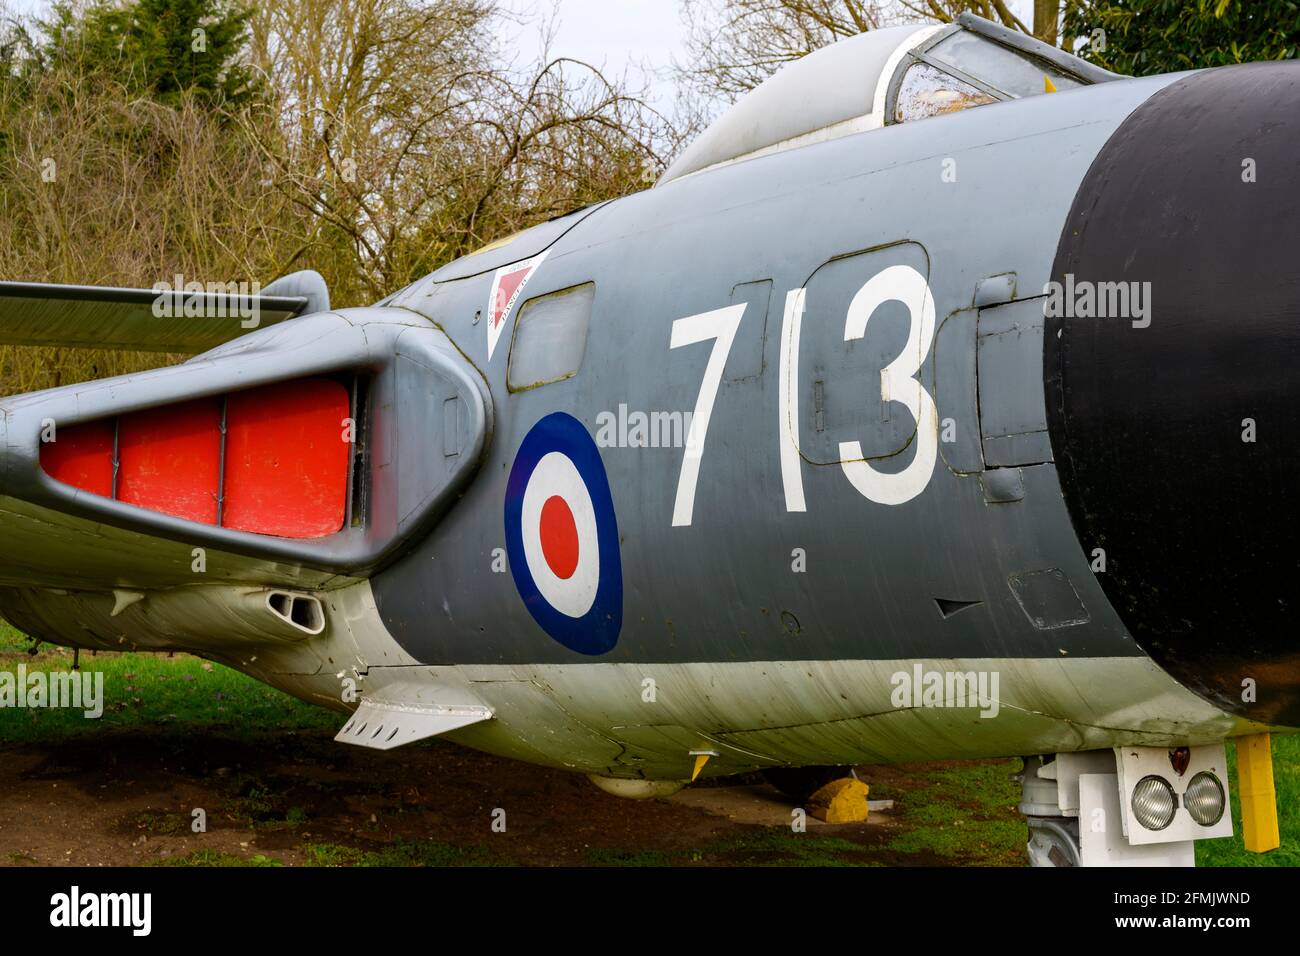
{"points": [[934, 404]]}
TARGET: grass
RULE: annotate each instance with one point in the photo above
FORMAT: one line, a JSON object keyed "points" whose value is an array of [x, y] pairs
{"points": [[1286, 779], [400, 853], [966, 814], [218, 859], [774, 847], [162, 824], [153, 689], [783, 847], [606, 856]]}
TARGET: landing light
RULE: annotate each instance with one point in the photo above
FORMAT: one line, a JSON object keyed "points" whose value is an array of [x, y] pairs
{"points": [[1204, 799], [1154, 803]]}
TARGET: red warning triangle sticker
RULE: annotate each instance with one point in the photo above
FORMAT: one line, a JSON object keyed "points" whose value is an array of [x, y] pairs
{"points": [[506, 285]]}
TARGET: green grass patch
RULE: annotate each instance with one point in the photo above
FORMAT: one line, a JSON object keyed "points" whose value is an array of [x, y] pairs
{"points": [[260, 806], [775, 847], [1231, 851], [217, 858], [966, 814], [606, 856], [400, 853], [162, 824], [784, 847], [992, 842], [153, 690]]}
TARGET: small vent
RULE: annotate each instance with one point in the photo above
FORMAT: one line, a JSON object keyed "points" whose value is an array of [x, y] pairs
{"points": [[300, 610]]}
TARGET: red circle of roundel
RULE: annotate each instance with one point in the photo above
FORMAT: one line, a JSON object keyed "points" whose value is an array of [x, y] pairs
{"points": [[559, 537]]}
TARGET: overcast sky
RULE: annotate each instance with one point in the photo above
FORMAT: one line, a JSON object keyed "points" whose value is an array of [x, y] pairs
{"points": [[619, 35], [616, 32]]}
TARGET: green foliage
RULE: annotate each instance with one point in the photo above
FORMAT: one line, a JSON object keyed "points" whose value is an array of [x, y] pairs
{"points": [[1145, 37], [370, 140], [165, 49]]}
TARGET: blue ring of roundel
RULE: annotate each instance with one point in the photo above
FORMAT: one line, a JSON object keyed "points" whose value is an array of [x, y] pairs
{"points": [[596, 632]]}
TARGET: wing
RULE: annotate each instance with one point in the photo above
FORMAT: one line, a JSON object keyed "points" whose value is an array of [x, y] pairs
{"points": [[150, 320]]}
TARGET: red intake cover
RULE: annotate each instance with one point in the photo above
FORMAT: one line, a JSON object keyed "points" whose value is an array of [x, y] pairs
{"points": [[169, 459], [82, 456], [286, 459]]}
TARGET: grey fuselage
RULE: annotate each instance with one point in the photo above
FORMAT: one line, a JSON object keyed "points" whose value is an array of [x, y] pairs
{"points": [[983, 565], [826, 218]]}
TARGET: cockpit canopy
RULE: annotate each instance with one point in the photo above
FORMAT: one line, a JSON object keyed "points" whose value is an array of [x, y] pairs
{"points": [[894, 75]]}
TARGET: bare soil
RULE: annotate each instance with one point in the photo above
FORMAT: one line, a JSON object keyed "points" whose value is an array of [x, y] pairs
{"points": [[296, 799]]}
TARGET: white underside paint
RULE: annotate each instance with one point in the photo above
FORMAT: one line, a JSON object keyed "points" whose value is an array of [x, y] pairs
{"points": [[601, 718], [597, 718]]}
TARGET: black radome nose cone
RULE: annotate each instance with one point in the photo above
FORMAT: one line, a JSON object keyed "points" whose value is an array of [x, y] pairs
{"points": [[1176, 424]]}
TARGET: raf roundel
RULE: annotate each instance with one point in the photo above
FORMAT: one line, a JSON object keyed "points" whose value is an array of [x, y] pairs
{"points": [[562, 536]]}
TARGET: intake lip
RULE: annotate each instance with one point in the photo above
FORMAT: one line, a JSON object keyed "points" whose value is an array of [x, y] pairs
{"points": [[1196, 197], [411, 471]]}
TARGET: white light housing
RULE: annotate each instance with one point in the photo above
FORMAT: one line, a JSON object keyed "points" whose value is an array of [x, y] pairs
{"points": [[1151, 793]]}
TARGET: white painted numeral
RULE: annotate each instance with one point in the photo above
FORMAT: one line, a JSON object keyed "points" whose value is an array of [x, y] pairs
{"points": [[897, 382], [788, 403], [719, 325]]}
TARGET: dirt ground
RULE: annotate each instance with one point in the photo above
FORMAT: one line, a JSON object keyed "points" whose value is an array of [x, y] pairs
{"points": [[298, 799]]}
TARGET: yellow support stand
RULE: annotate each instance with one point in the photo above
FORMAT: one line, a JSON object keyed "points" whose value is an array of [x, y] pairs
{"points": [[1258, 797]]}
